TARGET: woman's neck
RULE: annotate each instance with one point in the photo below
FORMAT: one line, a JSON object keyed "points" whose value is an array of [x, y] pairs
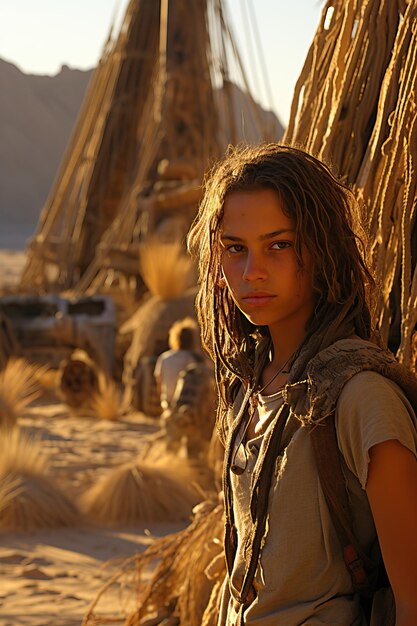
{"points": [[284, 346]]}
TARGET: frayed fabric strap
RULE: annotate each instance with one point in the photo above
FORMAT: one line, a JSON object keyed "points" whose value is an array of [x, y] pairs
{"points": [[328, 461], [314, 396], [259, 503], [230, 528], [259, 511]]}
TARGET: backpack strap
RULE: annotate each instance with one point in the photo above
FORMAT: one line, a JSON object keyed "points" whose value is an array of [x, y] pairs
{"points": [[333, 483]]}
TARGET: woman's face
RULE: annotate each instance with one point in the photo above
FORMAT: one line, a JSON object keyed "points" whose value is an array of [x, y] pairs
{"points": [[260, 266]]}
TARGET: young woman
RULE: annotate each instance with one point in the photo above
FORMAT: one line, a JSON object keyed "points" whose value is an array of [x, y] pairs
{"points": [[284, 311]]}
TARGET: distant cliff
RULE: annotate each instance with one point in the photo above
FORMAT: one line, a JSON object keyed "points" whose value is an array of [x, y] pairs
{"points": [[37, 114]]}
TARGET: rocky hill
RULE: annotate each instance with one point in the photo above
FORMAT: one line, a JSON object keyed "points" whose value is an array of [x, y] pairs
{"points": [[37, 114]]}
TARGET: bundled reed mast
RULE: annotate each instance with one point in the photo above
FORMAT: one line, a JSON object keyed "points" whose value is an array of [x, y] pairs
{"points": [[159, 108], [99, 159]]}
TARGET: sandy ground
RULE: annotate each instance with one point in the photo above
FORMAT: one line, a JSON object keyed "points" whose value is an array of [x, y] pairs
{"points": [[50, 577]]}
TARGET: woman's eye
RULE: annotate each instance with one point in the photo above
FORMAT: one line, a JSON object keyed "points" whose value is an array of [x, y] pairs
{"points": [[280, 245], [235, 248]]}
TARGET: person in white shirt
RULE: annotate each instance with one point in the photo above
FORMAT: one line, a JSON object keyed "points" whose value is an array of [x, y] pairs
{"points": [[182, 352]]}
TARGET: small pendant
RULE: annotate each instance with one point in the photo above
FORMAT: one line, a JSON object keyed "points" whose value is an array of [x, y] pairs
{"points": [[253, 401], [240, 460]]}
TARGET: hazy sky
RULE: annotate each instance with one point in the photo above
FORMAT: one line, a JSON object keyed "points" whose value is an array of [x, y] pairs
{"points": [[40, 35]]}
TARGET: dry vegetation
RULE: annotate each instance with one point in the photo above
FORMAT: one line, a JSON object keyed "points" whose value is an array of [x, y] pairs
{"points": [[142, 492], [188, 571], [106, 402], [87, 390], [29, 498], [165, 268], [19, 386]]}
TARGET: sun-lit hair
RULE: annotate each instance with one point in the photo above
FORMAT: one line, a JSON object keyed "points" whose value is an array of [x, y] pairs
{"points": [[325, 217], [182, 334]]}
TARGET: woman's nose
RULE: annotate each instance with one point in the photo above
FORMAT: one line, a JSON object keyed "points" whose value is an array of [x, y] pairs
{"points": [[254, 268]]}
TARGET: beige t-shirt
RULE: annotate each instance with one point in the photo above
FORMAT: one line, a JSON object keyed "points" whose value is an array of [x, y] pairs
{"points": [[302, 579]]}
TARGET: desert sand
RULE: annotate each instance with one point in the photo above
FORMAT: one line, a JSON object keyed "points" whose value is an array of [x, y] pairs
{"points": [[50, 577]]}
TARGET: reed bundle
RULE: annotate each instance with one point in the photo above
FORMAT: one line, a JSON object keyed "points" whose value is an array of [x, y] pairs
{"points": [[178, 590], [29, 498], [165, 268], [143, 492], [106, 402], [19, 386]]}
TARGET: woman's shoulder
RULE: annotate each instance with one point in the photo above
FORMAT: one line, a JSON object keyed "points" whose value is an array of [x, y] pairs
{"points": [[370, 385], [372, 409], [368, 396]]}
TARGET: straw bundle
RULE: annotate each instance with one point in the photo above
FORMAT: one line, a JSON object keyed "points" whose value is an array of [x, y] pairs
{"points": [[142, 492], [336, 95], [166, 270], [105, 403], [19, 386], [152, 321], [86, 389], [387, 184], [29, 499], [179, 589]]}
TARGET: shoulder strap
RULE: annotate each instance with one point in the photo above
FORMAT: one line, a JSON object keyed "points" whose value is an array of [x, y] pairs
{"points": [[328, 460]]}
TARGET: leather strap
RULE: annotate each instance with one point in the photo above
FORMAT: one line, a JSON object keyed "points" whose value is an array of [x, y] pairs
{"points": [[333, 483]]}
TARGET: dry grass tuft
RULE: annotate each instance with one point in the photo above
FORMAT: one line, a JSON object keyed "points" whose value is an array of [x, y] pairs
{"points": [[19, 386], [106, 403], [187, 572], [142, 493], [48, 379], [166, 270], [29, 499]]}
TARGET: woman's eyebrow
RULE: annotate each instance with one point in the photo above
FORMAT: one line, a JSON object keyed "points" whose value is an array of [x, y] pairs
{"points": [[274, 233], [230, 237]]}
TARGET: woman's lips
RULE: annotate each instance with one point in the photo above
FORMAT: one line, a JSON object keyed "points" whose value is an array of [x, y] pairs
{"points": [[258, 298]]}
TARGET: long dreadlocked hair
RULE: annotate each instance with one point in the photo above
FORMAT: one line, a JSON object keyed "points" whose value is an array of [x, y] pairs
{"points": [[326, 222]]}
